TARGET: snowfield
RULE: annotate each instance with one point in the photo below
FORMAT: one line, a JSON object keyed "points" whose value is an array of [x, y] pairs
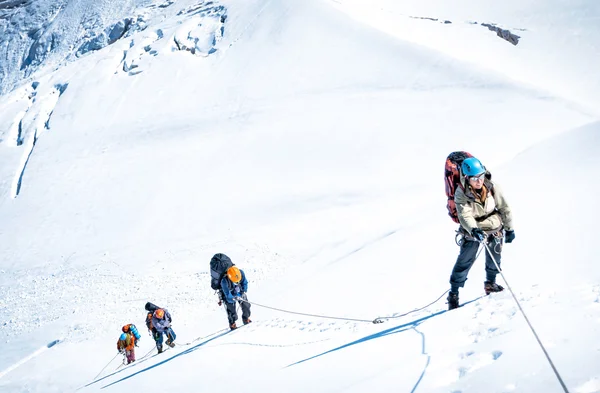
{"points": [[306, 141]]}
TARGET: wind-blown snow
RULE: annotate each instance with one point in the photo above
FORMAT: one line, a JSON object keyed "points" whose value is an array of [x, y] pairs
{"points": [[305, 140]]}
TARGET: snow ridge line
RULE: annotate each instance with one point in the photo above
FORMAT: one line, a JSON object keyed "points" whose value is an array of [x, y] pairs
{"points": [[41, 124], [31, 356], [16, 133]]}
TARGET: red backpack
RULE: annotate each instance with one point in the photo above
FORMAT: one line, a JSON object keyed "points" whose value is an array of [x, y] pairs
{"points": [[452, 180]]}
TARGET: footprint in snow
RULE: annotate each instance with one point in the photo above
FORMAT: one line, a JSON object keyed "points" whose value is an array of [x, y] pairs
{"points": [[477, 361], [591, 386]]}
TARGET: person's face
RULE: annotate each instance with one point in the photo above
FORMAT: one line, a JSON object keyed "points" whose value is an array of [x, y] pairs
{"points": [[477, 181]]}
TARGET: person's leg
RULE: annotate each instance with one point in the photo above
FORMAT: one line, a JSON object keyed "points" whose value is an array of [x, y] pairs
{"points": [[170, 337], [245, 310], [466, 258], [490, 267], [231, 313], [495, 247], [130, 356], [158, 337], [172, 334]]}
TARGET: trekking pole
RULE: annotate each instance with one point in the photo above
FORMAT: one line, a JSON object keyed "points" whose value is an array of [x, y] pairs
{"points": [[107, 365], [526, 319]]}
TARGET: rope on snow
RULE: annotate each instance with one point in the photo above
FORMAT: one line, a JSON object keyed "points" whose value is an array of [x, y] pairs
{"points": [[376, 320], [560, 380]]}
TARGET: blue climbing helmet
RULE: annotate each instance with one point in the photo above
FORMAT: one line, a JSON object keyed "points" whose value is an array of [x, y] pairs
{"points": [[123, 337], [472, 167]]}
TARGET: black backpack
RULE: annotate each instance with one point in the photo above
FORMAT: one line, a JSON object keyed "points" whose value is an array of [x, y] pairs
{"points": [[150, 307], [218, 267]]}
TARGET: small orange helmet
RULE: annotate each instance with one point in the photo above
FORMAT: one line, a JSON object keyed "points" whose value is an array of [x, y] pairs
{"points": [[159, 314], [234, 274], [125, 328]]}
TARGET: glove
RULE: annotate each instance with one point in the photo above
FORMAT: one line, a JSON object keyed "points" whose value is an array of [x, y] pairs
{"points": [[220, 303], [478, 234], [237, 298], [509, 236]]}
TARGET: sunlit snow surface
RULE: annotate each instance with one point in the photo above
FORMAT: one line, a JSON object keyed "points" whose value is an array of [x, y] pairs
{"points": [[306, 141]]}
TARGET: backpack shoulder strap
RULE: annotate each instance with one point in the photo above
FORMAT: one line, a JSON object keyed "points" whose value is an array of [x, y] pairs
{"points": [[489, 183]]}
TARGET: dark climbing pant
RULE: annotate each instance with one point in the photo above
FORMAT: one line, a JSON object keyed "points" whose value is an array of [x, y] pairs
{"points": [[232, 312], [158, 336], [466, 258]]}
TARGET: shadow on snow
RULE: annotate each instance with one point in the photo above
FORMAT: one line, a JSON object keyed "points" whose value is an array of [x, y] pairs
{"points": [[187, 351], [396, 329]]}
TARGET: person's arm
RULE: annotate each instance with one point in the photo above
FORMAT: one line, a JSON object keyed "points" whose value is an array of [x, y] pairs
{"points": [[464, 210], [503, 208], [226, 291], [244, 282]]}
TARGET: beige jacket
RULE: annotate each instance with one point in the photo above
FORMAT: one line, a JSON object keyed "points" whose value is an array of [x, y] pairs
{"points": [[471, 210]]}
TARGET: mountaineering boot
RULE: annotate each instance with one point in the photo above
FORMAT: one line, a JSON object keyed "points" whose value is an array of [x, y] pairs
{"points": [[170, 343], [160, 349], [246, 321], [452, 301], [490, 287], [233, 326]]}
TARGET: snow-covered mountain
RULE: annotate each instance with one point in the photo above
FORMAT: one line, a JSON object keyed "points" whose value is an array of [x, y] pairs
{"points": [[44, 34], [306, 141]]}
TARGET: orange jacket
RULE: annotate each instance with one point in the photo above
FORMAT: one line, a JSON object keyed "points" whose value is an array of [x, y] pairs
{"points": [[127, 344]]}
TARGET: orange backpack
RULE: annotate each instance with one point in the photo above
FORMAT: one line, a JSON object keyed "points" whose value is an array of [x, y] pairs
{"points": [[452, 180], [149, 321]]}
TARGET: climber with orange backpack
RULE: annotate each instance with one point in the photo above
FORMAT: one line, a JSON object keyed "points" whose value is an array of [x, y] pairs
{"points": [[479, 206], [158, 322]]}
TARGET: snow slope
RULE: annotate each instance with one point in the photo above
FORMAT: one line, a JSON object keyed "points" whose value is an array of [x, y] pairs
{"points": [[550, 45], [308, 147]]}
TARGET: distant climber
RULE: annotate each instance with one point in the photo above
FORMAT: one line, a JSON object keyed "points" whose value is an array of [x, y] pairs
{"points": [[233, 289], [158, 321]]}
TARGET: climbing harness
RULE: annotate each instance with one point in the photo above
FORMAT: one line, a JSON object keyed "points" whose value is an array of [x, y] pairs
{"points": [[498, 238]]}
